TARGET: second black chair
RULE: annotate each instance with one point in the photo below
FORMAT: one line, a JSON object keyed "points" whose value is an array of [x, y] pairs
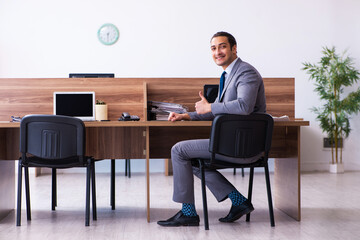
{"points": [[54, 142], [239, 136]]}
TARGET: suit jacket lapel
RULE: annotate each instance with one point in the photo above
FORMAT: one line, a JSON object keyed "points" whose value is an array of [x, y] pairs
{"points": [[230, 77]]}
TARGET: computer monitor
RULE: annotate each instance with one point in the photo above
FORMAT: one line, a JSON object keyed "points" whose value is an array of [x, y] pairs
{"points": [[75, 104], [211, 92], [91, 75]]}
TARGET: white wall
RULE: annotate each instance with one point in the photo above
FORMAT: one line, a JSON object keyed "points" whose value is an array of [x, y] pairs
{"points": [[168, 38]]}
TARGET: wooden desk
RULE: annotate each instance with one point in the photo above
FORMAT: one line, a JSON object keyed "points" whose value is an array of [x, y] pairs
{"points": [[154, 139], [147, 139]]}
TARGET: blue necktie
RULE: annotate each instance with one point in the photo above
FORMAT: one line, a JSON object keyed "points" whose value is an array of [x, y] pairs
{"points": [[221, 85]]}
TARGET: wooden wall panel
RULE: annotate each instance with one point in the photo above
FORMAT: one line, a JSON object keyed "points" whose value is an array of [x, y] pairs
{"points": [[21, 96], [280, 96], [280, 92]]}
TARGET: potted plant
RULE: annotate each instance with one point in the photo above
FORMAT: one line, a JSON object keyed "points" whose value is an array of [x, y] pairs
{"points": [[331, 75], [100, 110]]}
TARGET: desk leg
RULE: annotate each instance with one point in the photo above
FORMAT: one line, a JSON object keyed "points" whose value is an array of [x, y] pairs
{"points": [[287, 180], [147, 145], [37, 172], [9, 149], [168, 167], [287, 187]]}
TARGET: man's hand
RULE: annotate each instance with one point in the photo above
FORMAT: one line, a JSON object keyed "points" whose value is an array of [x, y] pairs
{"points": [[202, 106], [178, 117]]}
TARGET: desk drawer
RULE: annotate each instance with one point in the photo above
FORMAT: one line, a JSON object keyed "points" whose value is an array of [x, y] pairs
{"points": [[115, 142], [163, 138]]}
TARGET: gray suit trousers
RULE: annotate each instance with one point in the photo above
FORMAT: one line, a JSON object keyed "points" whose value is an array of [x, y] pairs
{"points": [[181, 155]]}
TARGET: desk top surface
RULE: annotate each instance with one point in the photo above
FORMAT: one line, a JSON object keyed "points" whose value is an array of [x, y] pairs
{"points": [[296, 122]]}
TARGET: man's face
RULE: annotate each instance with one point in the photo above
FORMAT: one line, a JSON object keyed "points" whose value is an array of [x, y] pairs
{"points": [[221, 52]]}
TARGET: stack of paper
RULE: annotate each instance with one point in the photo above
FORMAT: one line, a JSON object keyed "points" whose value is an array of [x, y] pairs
{"points": [[282, 118], [161, 110]]}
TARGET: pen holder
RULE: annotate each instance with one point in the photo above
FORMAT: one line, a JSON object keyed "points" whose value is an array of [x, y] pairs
{"points": [[101, 112]]}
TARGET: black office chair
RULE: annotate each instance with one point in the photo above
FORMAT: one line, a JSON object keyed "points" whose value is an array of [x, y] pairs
{"points": [[54, 142], [211, 93], [112, 179], [239, 136]]}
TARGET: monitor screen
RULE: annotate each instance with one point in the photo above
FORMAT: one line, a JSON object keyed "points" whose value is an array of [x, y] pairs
{"points": [[75, 104], [211, 92]]}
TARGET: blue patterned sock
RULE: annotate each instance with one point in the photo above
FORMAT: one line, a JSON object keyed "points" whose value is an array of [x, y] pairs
{"points": [[236, 198], [188, 209]]}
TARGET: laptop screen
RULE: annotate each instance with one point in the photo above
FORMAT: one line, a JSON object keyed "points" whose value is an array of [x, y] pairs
{"points": [[75, 104]]}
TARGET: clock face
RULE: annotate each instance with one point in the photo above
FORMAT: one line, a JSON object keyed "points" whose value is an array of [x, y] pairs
{"points": [[108, 34]]}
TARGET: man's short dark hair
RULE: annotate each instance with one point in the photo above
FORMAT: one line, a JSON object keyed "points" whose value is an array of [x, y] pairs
{"points": [[230, 37]]}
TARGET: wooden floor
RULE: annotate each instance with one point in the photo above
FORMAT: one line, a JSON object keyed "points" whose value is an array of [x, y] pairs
{"points": [[330, 210]]}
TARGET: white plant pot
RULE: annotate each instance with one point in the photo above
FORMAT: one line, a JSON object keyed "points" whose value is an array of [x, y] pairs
{"points": [[101, 112], [336, 168]]}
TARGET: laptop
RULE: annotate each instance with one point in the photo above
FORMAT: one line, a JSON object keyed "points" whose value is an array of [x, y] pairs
{"points": [[75, 104]]}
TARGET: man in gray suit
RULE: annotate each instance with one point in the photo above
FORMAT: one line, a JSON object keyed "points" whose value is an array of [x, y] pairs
{"points": [[241, 91]]}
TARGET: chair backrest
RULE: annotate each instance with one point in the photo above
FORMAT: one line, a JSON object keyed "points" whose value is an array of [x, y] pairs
{"points": [[52, 137], [241, 136]]}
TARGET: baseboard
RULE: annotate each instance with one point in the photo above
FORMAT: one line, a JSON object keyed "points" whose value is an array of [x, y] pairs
{"points": [[324, 166]]}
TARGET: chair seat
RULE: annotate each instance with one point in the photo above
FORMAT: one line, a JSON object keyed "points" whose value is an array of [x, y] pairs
{"points": [[222, 164], [50, 163]]}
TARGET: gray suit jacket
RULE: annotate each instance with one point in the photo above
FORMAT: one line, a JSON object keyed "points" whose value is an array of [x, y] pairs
{"points": [[243, 93]]}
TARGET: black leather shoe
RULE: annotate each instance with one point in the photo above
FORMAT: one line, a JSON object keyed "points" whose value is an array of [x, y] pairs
{"points": [[180, 219], [237, 212]]}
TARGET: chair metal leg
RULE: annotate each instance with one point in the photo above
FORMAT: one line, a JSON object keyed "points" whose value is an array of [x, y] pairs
{"points": [[93, 190], [112, 184], [271, 211], [27, 193], [126, 167], [87, 201], [18, 208], [129, 167], [251, 179], [53, 190], [242, 172], [203, 190]]}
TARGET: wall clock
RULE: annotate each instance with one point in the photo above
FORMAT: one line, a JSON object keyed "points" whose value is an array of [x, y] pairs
{"points": [[108, 34]]}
